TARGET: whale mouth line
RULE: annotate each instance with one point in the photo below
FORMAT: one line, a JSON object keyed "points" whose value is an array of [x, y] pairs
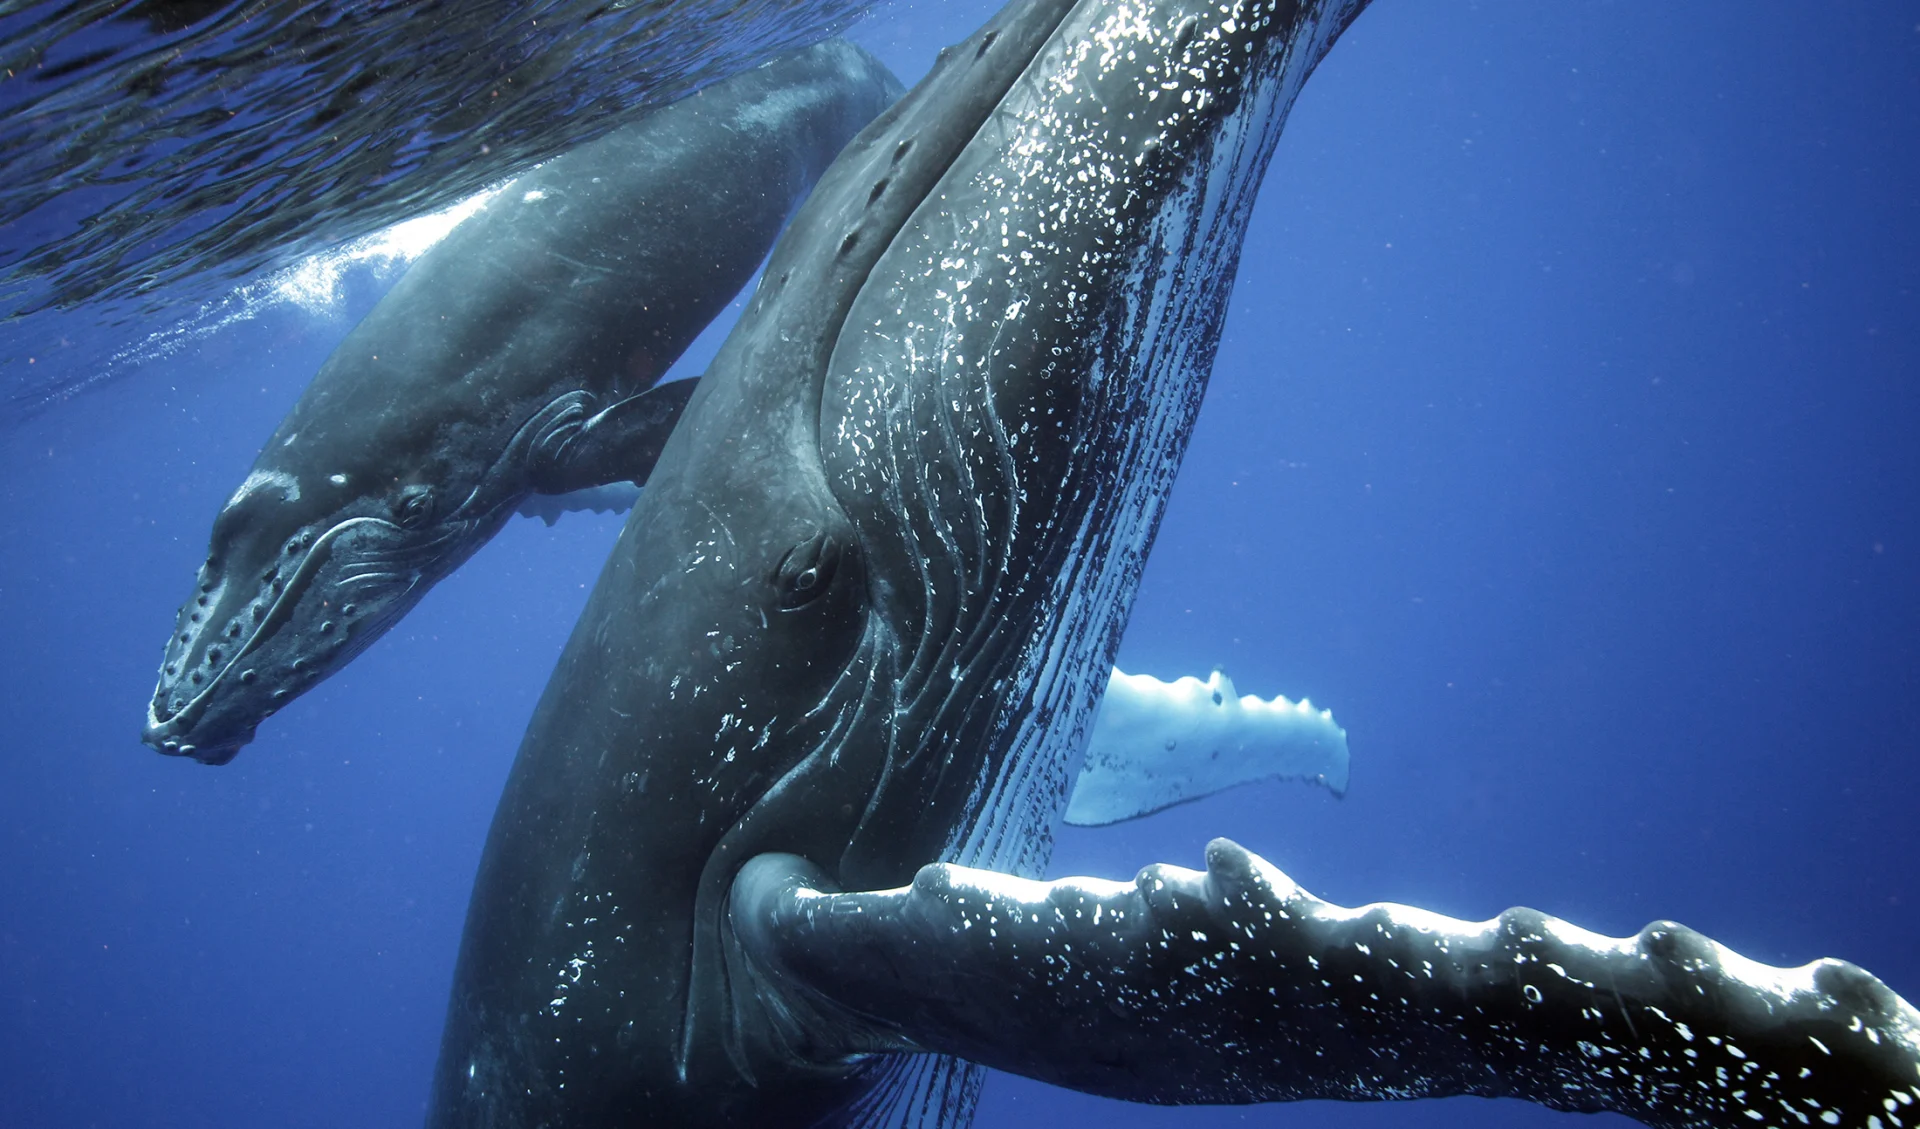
{"points": [[181, 722]]}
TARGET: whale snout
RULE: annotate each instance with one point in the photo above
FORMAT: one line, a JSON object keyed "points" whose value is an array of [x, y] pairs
{"points": [[193, 734], [167, 739], [258, 633], [195, 710]]}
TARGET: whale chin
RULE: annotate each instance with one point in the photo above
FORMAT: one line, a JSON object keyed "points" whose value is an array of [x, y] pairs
{"points": [[205, 736], [215, 754], [205, 754], [170, 740], [239, 656]]}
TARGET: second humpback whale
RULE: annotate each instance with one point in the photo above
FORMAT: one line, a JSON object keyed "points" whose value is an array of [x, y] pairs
{"points": [[518, 356], [854, 632]]}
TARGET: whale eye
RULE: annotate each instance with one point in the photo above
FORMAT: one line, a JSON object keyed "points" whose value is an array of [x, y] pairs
{"points": [[803, 574], [413, 506]]}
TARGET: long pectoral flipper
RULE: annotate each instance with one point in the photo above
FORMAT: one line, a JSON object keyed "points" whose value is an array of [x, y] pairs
{"points": [[1235, 985]]}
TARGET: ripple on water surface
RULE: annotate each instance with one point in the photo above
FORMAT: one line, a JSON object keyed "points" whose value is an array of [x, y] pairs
{"points": [[143, 144]]}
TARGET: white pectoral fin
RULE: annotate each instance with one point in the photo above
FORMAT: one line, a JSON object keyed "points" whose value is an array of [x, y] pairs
{"points": [[614, 497], [1156, 744]]}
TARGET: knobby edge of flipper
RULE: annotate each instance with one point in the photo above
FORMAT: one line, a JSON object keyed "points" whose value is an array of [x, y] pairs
{"points": [[1234, 985], [1157, 744], [613, 498]]}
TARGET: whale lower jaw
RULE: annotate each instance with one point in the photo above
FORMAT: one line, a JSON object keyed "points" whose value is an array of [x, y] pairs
{"points": [[173, 734]]}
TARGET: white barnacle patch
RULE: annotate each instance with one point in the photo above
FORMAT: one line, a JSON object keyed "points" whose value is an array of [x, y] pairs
{"points": [[569, 975]]}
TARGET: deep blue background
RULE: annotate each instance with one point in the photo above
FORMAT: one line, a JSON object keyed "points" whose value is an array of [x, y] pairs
{"points": [[1563, 441]]}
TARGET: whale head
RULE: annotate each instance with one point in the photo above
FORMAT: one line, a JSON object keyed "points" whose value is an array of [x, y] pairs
{"points": [[322, 548]]}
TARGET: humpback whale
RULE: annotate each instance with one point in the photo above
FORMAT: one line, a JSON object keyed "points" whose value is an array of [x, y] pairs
{"points": [[854, 632], [519, 356], [865, 608]]}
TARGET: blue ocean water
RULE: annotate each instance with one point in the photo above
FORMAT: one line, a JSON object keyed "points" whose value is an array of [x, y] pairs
{"points": [[1565, 441]]}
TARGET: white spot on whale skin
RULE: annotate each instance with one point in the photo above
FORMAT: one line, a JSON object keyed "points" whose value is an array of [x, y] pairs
{"points": [[337, 479], [288, 485], [533, 196]]}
